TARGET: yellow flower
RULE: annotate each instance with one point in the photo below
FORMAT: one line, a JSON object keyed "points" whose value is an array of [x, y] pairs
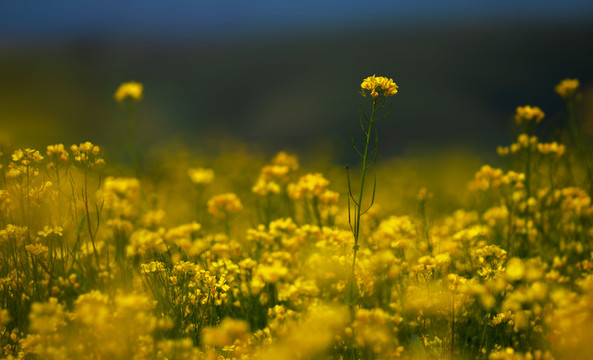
{"points": [[515, 269], [57, 152], [380, 83], [284, 159], [86, 154], [528, 113], [567, 87], [24, 163], [308, 185], [132, 90], [200, 176], [226, 333], [551, 148], [424, 194], [223, 205]]}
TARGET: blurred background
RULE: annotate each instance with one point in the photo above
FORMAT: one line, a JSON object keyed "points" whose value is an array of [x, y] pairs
{"points": [[286, 75]]}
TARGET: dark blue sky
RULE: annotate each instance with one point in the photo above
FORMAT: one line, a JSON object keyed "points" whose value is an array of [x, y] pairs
{"points": [[26, 19]]}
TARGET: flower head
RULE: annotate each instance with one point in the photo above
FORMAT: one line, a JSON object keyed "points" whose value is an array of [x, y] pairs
{"points": [[132, 90], [528, 113], [200, 176], [567, 87], [24, 162], [223, 205], [376, 84], [57, 152], [86, 154]]}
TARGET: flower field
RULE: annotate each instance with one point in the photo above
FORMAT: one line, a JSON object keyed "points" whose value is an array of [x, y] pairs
{"points": [[237, 256]]}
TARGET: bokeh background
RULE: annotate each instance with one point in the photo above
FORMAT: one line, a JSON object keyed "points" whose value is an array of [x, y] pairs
{"points": [[286, 75]]}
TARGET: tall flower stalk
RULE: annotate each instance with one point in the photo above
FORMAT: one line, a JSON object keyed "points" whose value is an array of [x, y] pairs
{"points": [[86, 156], [127, 94], [567, 89], [379, 88]]}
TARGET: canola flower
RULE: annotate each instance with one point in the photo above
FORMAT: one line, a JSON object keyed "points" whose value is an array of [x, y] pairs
{"points": [[129, 90], [223, 205], [376, 84], [132, 91], [387, 87], [567, 88], [529, 114], [200, 176], [86, 154]]}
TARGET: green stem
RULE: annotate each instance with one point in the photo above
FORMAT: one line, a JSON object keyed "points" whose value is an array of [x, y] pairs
{"points": [[453, 326], [315, 206], [579, 141], [88, 218], [132, 139], [359, 204]]}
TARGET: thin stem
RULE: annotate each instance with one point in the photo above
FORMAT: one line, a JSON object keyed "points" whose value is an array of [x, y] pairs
{"points": [[360, 194], [88, 218], [453, 325]]}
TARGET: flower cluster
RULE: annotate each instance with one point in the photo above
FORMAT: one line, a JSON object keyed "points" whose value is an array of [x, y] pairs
{"points": [[200, 176], [378, 85], [567, 88], [129, 90], [86, 154], [528, 114], [224, 205]]}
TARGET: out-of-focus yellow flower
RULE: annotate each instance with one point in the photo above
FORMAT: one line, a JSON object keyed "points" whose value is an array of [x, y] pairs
{"points": [[228, 331], [528, 114], [24, 163], [223, 205], [502, 150], [567, 87], [551, 148], [515, 269], [152, 267], [120, 197], [47, 317], [308, 185], [57, 152], [424, 194], [132, 90], [378, 83], [329, 197], [48, 230], [200, 176], [285, 159]]}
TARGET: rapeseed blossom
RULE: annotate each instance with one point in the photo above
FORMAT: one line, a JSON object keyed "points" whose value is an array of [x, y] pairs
{"points": [[376, 84], [567, 88], [129, 90], [200, 176], [223, 205], [529, 114], [86, 154]]}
